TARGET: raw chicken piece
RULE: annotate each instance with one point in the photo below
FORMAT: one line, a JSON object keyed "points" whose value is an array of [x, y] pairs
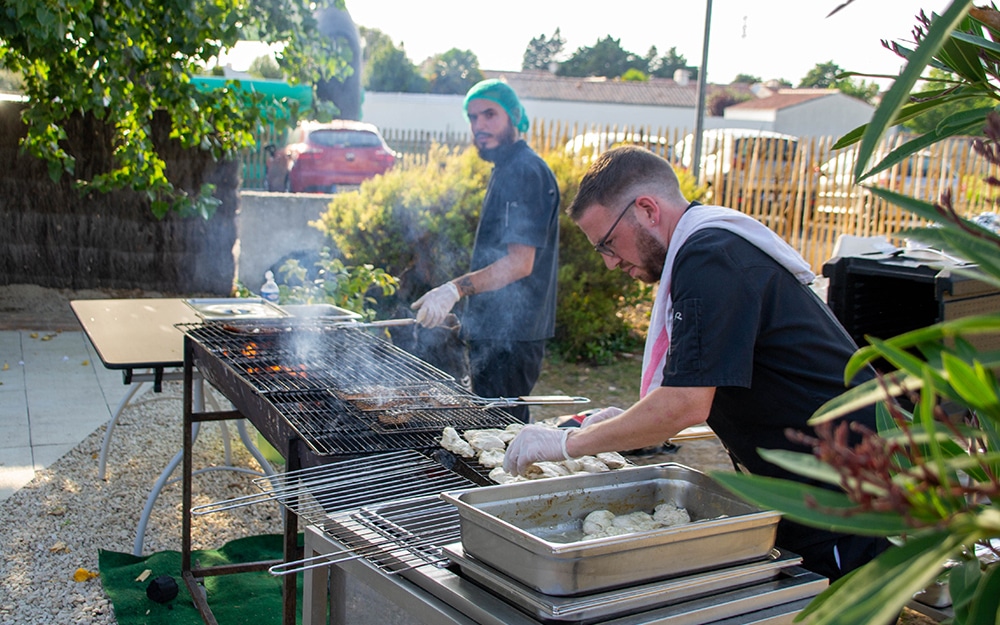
{"points": [[500, 476], [610, 531], [636, 522], [598, 521], [543, 469], [454, 443], [668, 514], [491, 458], [590, 464], [511, 431], [613, 459], [483, 440]]}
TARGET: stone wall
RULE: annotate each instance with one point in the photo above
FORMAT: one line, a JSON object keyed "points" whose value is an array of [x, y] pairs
{"points": [[54, 235]]}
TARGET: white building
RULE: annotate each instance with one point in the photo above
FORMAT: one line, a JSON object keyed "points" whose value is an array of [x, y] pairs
{"points": [[655, 104]]}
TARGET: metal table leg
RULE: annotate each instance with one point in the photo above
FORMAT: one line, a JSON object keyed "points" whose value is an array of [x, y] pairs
{"points": [[198, 399], [103, 460]]}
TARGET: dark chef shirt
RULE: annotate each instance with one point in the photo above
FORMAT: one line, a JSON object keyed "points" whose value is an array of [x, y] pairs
{"points": [[769, 345], [521, 206]]}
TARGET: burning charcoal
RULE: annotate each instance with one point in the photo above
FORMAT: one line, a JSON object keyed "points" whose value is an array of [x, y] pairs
{"points": [[163, 589]]}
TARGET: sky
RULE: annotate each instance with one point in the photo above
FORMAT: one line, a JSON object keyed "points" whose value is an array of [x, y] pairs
{"points": [[770, 39]]}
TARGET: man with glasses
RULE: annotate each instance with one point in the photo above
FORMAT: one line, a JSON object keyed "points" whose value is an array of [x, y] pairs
{"points": [[511, 286], [737, 337]]}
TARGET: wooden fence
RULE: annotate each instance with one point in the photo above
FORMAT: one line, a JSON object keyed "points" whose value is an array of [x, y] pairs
{"points": [[800, 188]]}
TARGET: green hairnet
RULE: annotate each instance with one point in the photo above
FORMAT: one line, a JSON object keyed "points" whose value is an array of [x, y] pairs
{"points": [[501, 93]]}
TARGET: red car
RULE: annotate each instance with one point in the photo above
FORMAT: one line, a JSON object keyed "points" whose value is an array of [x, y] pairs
{"points": [[321, 157]]}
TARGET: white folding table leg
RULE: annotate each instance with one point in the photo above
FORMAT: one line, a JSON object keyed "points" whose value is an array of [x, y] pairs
{"points": [[103, 460], [161, 481]]}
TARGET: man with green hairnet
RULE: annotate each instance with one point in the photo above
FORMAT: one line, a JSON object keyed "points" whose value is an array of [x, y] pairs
{"points": [[510, 289]]}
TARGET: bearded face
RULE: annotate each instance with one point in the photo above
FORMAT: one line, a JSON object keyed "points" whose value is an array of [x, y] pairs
{"points": [[652, 256], [503, 137]]}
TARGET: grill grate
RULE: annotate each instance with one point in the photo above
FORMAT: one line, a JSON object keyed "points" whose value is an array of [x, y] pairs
{"points": [[321, 383], [311, 356]]}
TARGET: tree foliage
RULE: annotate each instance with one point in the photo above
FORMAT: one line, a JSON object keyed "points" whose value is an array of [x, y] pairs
{"points": [[829, 75], [453, 72], [388, 68], [664, 66], [720, 100], [265, 67], [122, 61], [542, 52], [605, 58]]}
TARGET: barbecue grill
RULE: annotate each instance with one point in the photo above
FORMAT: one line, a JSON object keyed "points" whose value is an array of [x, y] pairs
{"points": [[358, 422], [321, 393]]}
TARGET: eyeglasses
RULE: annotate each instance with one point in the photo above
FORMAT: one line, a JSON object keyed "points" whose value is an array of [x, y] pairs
{"points": [[602, 245]]}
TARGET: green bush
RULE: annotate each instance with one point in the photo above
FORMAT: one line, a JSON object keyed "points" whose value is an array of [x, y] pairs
{"points": [[355, 288], [416, 223]]}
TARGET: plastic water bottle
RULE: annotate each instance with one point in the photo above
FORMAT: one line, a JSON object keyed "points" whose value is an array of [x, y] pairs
{"points": [[270, 289]]}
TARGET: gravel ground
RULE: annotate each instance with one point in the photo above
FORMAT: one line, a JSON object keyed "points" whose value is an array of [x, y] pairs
{"points": [[62, 518]]}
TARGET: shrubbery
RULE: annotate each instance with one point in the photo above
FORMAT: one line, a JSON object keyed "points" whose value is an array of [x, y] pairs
{"points": [[419, 224]]}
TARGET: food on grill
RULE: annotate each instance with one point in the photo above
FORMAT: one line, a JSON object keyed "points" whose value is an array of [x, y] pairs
{"points": [[612, 459], [546, 469], [491, 458], [454, 443], [254, 330], [500, 476], [487, 446], [397, 417], [484, 440], [586, 464], [604, 523]]}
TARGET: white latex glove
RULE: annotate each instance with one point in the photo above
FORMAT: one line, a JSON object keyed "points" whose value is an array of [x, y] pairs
{"points": [[535, 443], [601, 415], [434, 306]]}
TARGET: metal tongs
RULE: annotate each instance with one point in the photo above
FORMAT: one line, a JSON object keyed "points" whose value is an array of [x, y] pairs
{"points": [[532, 400], [385, 323], [450, 324]]}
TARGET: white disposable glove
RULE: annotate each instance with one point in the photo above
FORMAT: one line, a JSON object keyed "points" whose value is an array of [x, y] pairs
{"points": [[601, 415], [434, 306], [535, 443]]}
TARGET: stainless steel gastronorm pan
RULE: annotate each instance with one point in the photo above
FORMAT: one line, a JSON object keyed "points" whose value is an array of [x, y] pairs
{"points": [[521, 528]]}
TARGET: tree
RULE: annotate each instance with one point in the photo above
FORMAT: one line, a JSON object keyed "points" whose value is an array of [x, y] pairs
{"points": [[606, 58], [634, 75], [542, 52], [453, 72], [829, 76], [928, 121], [665, 66], [265, 67], [822, 76], [719, 101], [121, 62], [747, 79], [387, 68]]}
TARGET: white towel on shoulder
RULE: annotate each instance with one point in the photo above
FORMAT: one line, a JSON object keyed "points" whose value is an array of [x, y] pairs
{"points": [[654, 357]]}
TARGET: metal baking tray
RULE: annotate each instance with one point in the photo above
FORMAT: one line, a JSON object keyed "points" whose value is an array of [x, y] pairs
{"points": [[521, 528], [235, 308], [324, 312], [612, 603]]}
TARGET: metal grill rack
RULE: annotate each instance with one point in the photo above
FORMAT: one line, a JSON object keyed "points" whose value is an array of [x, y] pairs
{"points": [[394, 537]]}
